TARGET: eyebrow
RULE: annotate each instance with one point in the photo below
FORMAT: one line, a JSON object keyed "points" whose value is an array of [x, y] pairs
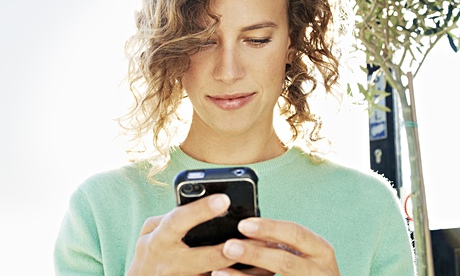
{"points": [[261, 25]]}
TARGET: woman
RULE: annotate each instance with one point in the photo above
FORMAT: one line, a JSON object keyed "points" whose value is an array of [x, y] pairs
{"points": [[234, 61]]}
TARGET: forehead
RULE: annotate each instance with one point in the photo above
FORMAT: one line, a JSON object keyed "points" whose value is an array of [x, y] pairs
{"points": [[241, 13]]}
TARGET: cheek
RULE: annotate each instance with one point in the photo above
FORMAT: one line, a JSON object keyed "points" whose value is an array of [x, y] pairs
{"points": [[276, 59], [274, 70], [191, 77]]}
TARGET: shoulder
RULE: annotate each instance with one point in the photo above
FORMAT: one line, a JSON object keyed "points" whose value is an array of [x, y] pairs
{"points": [[339, 170], [342, 178], [362, 183], [121, 194], [115, 182], [364, 174], [127, 172]]}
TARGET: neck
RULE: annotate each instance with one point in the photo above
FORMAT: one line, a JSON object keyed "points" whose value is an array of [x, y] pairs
{"points": [[238, 150]]}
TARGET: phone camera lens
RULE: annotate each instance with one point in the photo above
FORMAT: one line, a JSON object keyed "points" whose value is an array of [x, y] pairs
{"points": [[192, 190], [187, 188], [198, 188], [238, 172]]}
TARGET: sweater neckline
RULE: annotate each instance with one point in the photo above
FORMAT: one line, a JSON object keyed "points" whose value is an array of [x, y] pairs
{"points": [[182, 159]]}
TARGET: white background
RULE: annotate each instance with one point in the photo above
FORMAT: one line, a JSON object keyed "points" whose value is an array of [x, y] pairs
{"points": [[61, 65]]}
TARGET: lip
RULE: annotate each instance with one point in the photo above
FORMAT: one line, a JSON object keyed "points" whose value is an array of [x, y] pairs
{"points": [[232, 101]]}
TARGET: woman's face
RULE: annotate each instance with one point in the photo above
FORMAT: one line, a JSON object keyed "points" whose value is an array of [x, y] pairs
{"points": [[235, 80]]}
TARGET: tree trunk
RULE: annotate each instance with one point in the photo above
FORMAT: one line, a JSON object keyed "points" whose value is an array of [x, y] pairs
{"points": [[422, 236]]}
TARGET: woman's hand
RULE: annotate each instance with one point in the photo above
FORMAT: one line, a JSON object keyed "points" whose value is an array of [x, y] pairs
{"points": [[160, 250], [290, 249]]}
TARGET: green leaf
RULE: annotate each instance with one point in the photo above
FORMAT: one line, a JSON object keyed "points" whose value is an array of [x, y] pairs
{"points": [[449, 12], [431, 31], [361, 88], [349, 92], [380, 95], [456, 17], [452, 43], [383, 108]]}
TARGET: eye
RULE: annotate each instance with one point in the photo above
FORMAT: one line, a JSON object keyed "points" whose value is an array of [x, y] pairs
{"points": [[207, 44], [258, 42]]}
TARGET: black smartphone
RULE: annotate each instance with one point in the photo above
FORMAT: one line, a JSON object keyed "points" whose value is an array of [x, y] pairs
{"points": [[239, 183]]}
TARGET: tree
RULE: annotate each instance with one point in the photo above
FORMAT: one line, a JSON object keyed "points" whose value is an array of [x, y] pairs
{"points": [[397, 36]]}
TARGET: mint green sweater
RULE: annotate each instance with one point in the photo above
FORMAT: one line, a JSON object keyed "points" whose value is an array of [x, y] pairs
{"points": [[357, 212]]}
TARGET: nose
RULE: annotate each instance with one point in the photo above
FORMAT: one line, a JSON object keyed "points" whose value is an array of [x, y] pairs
{"points": [[228, 67]]}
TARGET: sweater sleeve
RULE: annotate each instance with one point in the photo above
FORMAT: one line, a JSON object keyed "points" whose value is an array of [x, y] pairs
{"points": [[394, 256], [77, 250]]}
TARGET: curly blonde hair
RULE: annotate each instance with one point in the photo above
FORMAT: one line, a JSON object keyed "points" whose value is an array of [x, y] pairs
{"points": [[168, 32]]}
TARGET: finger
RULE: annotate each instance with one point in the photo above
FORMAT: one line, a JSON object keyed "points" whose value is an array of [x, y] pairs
{"points": [[233, 272], [179, 221], [150, 224], [272, 259], [213, 258], [196, 260], [209, 257], [257, 271], [294, 236]]}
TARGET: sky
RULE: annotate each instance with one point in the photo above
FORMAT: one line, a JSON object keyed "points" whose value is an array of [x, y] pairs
{"points": [[61, 72]]}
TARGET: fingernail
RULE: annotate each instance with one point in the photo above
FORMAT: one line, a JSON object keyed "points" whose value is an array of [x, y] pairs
{"points": [[220, 273], [248, 227], [233, 249], [219, 203]]}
